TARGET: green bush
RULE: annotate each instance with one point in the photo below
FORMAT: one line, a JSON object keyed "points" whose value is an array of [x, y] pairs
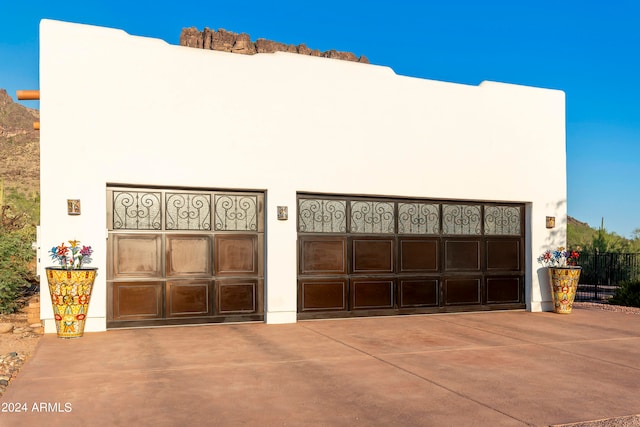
{"points": [[25, 206], [627, 294], [18, 218], [16, 265]]}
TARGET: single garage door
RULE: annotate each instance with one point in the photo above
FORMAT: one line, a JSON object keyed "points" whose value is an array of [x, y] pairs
{"points": [[178, 256], [361, 256]]}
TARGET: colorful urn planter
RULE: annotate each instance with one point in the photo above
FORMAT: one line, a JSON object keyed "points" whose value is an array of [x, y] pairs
{"points": [[564, 284], [70, 293]]}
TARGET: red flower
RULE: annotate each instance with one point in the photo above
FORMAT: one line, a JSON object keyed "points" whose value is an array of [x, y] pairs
{"points": [[81, 316], [62, 250], [58, 317]]}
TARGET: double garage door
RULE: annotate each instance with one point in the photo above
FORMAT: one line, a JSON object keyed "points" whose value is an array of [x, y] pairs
{"points": [[180, 256], [366, 256]]}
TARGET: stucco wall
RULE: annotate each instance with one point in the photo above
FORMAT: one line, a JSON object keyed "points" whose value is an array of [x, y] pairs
{"points": [[122, 109]]}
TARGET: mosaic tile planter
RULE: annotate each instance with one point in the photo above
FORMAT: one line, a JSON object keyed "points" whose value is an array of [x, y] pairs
{"points": [[564, 284], [70, 294]]}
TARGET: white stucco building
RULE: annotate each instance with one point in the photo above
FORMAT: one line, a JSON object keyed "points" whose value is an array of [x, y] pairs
{"points": [[402, 195]]}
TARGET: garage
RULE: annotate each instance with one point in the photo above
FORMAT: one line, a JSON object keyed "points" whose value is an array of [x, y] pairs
{"points": [[184, 256], [361, 256], [381, 194]]}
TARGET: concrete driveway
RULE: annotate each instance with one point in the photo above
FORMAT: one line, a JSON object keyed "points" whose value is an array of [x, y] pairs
{"points": [[485, 369]]}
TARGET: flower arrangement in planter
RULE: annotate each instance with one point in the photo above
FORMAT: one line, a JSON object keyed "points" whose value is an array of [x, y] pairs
{"points": [[559, 258], [564, 274], [70, 286], [71, 257]]}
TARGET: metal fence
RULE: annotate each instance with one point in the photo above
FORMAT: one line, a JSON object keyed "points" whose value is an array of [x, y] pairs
{"points": [[602, 273]]}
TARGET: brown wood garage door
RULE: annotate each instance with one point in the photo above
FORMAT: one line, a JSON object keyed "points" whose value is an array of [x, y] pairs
{"points": [[184, 256], [363, 257]]}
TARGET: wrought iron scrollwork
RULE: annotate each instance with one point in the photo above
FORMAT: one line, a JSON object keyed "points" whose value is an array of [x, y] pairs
{"points": [[133, 210], [418, 218], [502, 220], [426, 217], [236, 213], [461, 219], [187, 211], [372, 217], [322, 216]]}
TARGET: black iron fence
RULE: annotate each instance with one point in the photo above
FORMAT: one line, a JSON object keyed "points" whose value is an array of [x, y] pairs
{"points": [[602, 273]]}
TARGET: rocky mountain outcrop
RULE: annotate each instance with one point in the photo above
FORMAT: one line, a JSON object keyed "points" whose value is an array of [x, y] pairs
{"points": [[19, 145], [228, 41]]}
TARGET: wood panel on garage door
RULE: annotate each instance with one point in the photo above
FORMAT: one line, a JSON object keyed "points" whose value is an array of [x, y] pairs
{"points": [[361, 256], [184, 257]]}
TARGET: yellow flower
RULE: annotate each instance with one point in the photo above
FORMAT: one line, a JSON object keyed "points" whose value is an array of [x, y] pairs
{"points": [[74, 243]]}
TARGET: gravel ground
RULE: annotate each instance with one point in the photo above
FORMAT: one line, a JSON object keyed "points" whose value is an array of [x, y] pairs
{"points": [[16, 346], [630, 421], [606, 307]]}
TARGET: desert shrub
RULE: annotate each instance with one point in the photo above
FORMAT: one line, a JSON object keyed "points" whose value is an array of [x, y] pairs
{"points": [[16, 261], [18, 210], [627, 294], [26, 207], [18, 218]]}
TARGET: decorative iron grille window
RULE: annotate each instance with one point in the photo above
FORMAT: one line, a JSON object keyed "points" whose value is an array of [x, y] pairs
{"points": [[187, 211], [322, 216], [502, 220], [418, 218], [136, 210], [461, 219], [414, 217], [372, 217], [236, 213]]}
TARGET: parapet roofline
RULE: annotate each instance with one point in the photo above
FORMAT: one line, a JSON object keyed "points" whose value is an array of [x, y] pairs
{"points": [[223, 43]]}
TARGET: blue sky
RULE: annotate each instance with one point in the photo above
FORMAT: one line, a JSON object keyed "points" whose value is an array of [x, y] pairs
{"points": [[589, 49]]}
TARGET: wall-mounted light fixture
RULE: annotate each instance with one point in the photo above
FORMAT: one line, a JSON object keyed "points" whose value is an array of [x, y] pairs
{"points": [[73, 206], [283, 213], [551, 221]]}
